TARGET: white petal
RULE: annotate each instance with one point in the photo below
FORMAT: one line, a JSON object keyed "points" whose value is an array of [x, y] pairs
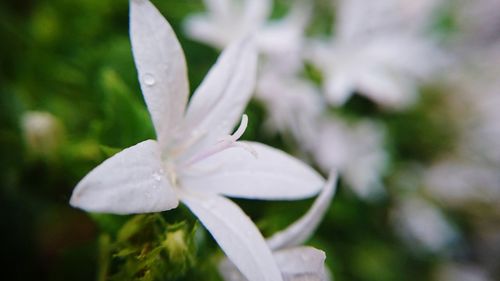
{"points": [[339, 87], [300, 263], [220, 8], [132, 181], [394, 92], [161, 67], [217, 105], [270, 174], [236, 234], [256, 12], [204, 29], [298, 232]]}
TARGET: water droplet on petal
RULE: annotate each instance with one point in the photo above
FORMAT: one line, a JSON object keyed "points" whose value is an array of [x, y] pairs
{"points": [[149, 79]]}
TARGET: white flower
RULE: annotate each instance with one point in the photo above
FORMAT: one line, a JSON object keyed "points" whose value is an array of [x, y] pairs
{"points": [[294, 261], [194, 159], [477, 22], [293, 103], [469, 173], [296, 264], [378, 51], [42, 132], [457, 182], [462, 272], [226, 20], [355, 150], [416, 220]]}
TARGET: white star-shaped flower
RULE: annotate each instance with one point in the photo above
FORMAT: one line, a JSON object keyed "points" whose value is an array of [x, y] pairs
{"points": [[292, 102], [378, 51], [225, 20], [418, 221], [195, 160], [355, 150]]}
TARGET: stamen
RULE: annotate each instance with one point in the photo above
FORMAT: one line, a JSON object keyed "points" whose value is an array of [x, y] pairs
{"points": [[241, 129], [225, 143]]}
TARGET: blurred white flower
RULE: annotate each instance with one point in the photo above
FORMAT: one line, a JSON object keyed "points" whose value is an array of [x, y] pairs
{"points": [[194, 159], [226, 20], [42, 132], [355, 150], [461, 272], [469, 174], [293, 103], [477, 21], [457, 182], [294, 261], [417, 221], [378, 50]]}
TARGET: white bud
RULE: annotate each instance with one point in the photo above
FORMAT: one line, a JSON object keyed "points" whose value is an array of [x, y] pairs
{"points": [[42, 132]]}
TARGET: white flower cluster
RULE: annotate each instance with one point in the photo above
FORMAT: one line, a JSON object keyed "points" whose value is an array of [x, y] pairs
{"points": [[378, 49]]}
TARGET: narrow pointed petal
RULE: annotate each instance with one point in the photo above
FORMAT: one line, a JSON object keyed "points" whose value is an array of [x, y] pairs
{"points": [[132, 181], [298, 232], [256, 12], [295, 264], [270, 174], [217, 105], [236, 234], [387, 91], [339, 87], [219, 8], [161, 67], [204, 29]]}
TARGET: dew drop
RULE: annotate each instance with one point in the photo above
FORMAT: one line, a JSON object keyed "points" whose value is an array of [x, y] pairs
{"points": [[149, 79]]}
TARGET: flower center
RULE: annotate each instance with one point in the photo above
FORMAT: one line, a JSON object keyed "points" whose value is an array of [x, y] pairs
{"points": [[172, 168]]}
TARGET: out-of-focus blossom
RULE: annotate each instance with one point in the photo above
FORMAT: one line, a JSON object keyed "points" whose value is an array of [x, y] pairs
{"points": [[457, 182], [477, 21], [355, 150], [470, 172], [293, 103], [416, 220], [280, 40], [378, 50], [294, 261], [42, 132], [195, 160], [461, 272]]}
